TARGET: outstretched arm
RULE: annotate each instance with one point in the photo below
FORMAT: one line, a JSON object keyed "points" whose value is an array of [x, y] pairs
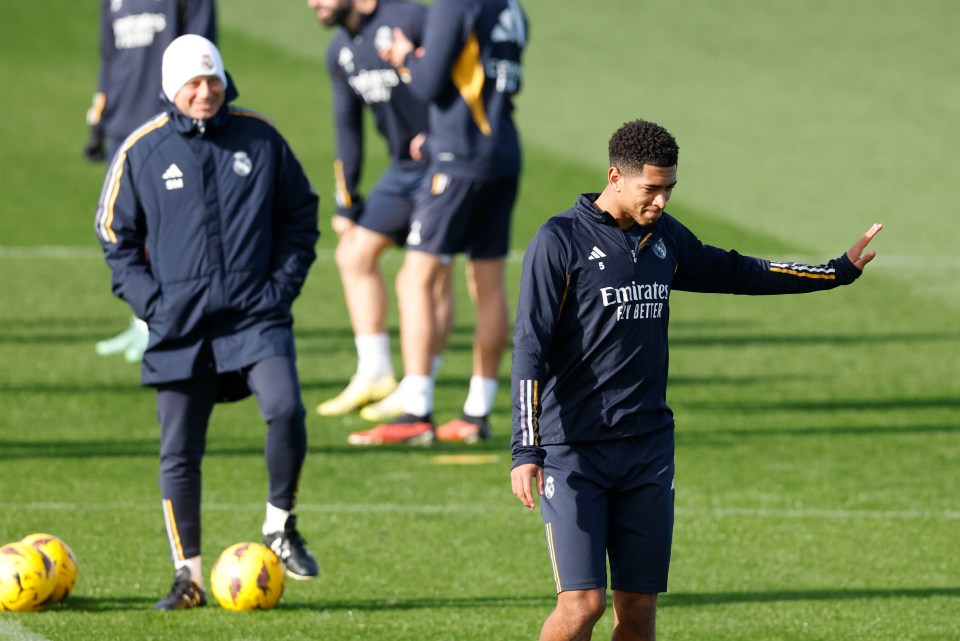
{"points": [[703, 268], [855, 253]]}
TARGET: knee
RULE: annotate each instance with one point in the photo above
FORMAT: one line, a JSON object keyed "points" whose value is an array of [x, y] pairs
{"points": [[636, 616], [349, 256], [286, 411], [415, 277], [582, 607]]}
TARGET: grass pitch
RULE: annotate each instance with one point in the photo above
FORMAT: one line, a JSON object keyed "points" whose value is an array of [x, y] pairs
{"points": [[818, 436]]}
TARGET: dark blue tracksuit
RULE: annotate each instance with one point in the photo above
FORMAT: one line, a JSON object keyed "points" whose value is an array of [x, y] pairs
{"points": [[360, 77], [469, 74], [209, 230], [133, 37], [590, 354]]}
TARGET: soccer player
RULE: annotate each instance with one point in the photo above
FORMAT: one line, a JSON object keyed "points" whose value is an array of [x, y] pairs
{"points": [[133, 37], [219, 201], [468, 69], [592, 431], [367, 228]]}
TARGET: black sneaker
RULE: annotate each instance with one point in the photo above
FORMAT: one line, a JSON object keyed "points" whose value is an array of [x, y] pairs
{"points": [[293, 552], [184, 593]]}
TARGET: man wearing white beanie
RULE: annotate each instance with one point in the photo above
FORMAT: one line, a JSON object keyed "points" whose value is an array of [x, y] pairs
{"points": [[217, 199]]}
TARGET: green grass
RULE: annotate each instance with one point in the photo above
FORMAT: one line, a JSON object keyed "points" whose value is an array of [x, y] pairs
{"points": [[818, 436]]}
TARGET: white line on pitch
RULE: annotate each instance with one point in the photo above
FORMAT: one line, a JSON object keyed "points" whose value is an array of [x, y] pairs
{"points": [[68, 252], [13, 631], [64, 252], [373, 508]]}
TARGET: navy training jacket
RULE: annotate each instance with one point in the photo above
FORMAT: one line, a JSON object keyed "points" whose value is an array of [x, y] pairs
{"points": [[360, 77], [469, 72], [133, 37], [209, 230], [590, 353]]}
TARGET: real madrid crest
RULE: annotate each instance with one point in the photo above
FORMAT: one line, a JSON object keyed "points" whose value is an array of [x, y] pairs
{"points": [[242, 165], [660, 249], [548, 488]]}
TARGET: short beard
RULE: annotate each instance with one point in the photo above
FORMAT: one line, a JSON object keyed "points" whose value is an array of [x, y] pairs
{"points": [[339, 17]]}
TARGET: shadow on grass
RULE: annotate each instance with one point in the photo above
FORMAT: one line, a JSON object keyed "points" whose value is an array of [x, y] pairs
{"points": [[400, 604], [150, 448], [681, 339], [813, 405], [545, 602], [854, 594], [104, 604], [716, 436]]}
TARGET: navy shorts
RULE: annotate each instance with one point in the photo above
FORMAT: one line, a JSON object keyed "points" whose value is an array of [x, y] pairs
{"points": [[389, 205], [610, 498], [464, 215]]}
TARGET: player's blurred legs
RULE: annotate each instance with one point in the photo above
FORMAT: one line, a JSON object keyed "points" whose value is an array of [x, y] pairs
{"points": [[418, 330], [485, 279], [357, 256], [444, 307]]}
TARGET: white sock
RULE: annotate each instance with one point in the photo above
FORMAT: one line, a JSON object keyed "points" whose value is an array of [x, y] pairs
{"points": [[418, 395], [373, 355], [194, 565], [480, 398], [141, 325], [275, 519], [435, 363]]}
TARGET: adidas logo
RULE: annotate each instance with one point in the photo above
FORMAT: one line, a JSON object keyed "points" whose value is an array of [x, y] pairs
{"points": [[596, 253], [173, 177]]}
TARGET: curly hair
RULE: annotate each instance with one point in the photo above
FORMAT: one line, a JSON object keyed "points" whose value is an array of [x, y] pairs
{"points": [[640, 143]]}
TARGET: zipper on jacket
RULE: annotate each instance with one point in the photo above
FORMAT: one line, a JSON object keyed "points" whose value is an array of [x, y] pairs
{"points": [[640, 243]]}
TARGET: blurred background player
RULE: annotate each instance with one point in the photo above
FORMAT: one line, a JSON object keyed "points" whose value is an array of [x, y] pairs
{"points": [[367, 228], [133, 37], [230, 220], [468, 69]]}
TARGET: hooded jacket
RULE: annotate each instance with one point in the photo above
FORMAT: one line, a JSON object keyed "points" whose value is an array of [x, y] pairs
{"points": [[208, 228], [590, 353]]}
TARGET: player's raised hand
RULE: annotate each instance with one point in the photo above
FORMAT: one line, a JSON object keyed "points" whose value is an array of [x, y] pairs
{"points": [[855, 253], [522, 478]]}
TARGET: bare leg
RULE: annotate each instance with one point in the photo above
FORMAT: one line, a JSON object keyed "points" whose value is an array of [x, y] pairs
{"points": [[444, 308], [576, 613], [488, 291], [634, 616], [415, 283], [358, 255]]}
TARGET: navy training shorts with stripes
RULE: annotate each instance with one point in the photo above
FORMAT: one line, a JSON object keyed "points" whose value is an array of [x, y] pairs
{"points": [[611, 498]]}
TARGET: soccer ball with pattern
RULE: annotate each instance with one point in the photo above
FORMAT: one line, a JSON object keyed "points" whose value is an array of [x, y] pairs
{"points": [[62, 556], [247, 576], [27, 578]]}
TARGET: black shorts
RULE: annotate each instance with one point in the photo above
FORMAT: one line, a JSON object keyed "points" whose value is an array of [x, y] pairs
{"points": [[389, 206], [610, 498], [464, 215]]}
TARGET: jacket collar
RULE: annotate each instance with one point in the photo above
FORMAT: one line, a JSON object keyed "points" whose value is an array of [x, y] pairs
{"points": [[585, 207]]}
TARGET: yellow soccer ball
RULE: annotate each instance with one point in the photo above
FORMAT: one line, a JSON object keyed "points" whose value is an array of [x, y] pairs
{"points": [[62, 556], [247, 576], [27, 578]]}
